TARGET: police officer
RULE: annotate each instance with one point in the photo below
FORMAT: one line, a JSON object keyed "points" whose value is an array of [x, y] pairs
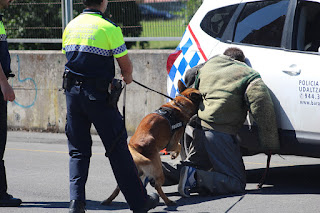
{"points": [[91, 43], [6, 94]]}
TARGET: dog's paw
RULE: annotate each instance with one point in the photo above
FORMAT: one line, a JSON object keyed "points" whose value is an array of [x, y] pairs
{"points": [[174, 155]]}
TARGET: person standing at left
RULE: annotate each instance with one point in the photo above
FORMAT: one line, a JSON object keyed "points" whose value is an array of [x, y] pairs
{"points": [[6, 94]]}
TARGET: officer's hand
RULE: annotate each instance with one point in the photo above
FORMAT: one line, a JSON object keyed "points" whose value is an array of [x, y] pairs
{"points": [[128, 79], [7, 91]]}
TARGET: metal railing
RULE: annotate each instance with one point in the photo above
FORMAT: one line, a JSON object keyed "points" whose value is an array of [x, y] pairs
{"points": [[43, 21]]}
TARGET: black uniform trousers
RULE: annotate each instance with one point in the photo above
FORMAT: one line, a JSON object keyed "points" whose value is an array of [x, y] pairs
{"points": [[3, 141], [86, 106]]}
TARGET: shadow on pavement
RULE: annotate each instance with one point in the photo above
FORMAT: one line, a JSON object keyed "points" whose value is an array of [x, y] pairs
{"points": [[302, 179], [91, 205], [44, 205], [193, 199]]}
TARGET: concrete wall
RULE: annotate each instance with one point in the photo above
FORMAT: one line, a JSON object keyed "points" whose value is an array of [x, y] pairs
{"points": [[40, 105]]}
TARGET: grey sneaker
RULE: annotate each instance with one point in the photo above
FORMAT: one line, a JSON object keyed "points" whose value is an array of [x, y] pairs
{"points": [[187, 180], [152, 202]]}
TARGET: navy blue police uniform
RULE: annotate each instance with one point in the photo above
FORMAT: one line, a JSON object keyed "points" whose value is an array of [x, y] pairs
{"points": [[91, 43]]}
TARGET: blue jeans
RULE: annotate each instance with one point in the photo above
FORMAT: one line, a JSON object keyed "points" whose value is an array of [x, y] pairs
{"points": [[217, 159], [219, 162]]}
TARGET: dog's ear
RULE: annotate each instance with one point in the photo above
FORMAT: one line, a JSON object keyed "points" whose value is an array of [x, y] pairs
{"points": [[181, 86], [195, 97]]}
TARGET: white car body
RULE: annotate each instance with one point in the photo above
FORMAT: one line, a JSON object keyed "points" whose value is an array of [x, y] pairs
{"points": [[291, 73]]}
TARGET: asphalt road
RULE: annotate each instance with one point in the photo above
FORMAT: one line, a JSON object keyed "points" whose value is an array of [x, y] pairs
{"points": [[37, 172]]}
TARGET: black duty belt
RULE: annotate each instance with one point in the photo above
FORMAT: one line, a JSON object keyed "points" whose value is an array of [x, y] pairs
{"points": [[73, 79]]}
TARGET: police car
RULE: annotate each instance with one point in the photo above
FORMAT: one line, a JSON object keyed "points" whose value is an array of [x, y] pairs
{"points": [[281, 40]]}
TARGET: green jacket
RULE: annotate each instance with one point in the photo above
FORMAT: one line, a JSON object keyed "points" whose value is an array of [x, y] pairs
{"points": [[229, 89]]}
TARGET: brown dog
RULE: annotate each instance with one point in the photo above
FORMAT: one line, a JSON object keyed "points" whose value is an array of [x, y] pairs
{"points": [[155, 133]]}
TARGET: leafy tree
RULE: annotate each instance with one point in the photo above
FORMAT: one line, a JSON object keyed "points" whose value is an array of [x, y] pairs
{"points": [[34, 19]]}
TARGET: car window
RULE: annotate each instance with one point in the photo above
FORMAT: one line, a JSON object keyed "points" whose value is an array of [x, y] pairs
{"points": [[215, 22], [261, 23], [307, 27]]}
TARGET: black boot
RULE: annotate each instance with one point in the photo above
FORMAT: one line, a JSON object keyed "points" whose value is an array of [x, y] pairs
{"points": [[9, 201], [152, 202], [77, 206]]}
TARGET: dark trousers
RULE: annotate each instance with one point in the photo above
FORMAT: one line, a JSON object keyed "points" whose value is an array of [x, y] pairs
{"points": [[3, 141], [85, 106]]}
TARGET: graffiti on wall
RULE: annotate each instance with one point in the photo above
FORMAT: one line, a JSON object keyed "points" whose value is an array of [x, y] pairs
{"points": [[25, 80]]}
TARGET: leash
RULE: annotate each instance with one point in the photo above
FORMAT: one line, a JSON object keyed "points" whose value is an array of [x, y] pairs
{"points": [[124, 104], [153, 90], [266, 171]]}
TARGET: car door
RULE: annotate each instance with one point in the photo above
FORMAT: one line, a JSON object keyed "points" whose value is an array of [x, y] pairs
{"points": [[249, 33], [301, 72]]}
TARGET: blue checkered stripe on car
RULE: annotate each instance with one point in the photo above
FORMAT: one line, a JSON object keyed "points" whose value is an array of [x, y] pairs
{"points": [[3, 37], [181, 65], [95, 50]]}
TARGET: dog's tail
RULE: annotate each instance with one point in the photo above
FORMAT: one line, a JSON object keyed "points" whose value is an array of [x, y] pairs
{"points": [[138, 158]]}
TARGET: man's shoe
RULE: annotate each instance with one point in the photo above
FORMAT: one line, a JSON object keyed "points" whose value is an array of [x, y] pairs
{"points": [[9, 201], [77, 206], [187, 180], [152, 202]]}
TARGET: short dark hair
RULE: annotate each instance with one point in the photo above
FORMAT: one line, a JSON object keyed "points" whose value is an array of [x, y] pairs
{"points": [[89, 3], [235, 53]]}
